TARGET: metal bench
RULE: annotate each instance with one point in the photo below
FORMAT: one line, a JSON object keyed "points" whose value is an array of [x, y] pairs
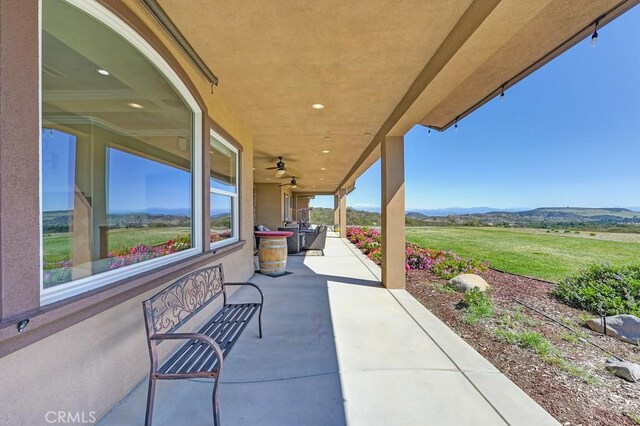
{"points": [[203, 354]]}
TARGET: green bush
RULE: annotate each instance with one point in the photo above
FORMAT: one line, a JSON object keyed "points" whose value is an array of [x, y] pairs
{"points": [[611, 290], [453, 265], [478, 305]]}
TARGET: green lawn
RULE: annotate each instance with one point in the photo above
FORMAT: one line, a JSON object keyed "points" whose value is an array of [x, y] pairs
{"points": [[532, 252], [57, 247]]}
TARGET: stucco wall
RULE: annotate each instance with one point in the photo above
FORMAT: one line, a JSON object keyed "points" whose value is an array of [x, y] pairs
{"points": [[268, 205], [91, 365], [87, 367]]}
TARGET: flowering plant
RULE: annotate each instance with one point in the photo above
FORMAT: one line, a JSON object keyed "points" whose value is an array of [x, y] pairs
{"points": [[444, 264]]}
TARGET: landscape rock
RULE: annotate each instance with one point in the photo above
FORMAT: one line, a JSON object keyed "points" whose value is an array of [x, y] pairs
{"points": [[624, 369], [623, 327], [465, 282]]}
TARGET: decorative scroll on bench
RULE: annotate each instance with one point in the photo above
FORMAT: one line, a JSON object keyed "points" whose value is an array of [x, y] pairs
{"points": [[204, 352]]}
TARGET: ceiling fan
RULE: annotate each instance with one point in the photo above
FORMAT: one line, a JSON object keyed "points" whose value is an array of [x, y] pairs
{"points": [[281, 169], [293, 183]]}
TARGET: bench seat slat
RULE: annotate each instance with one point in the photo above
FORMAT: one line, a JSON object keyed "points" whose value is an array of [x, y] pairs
{"points": [[225, 328], [212, 329], [181, 362], [233, 334], [215, 333], [179, 357]]}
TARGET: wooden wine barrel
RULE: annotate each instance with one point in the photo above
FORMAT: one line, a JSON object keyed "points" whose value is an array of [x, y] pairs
{"points": [[272, 253]]}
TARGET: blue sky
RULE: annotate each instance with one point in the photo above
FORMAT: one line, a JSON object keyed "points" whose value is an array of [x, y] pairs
{"points": [[569, 134], [134, 183]]}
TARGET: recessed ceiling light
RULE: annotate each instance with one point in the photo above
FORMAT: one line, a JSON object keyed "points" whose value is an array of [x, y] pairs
{"points": [[254, 168], [321, 178], [268, 178], [103, 72], [135, 105], [327, 137], [317, 106], [323, 168], [325, 151]]}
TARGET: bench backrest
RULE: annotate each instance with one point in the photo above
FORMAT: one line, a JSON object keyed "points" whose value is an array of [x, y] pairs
{"points": [[176, 304]]}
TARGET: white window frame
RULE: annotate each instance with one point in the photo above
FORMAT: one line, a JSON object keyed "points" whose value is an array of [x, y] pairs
{"points": [[235, 212], [75, 287]]}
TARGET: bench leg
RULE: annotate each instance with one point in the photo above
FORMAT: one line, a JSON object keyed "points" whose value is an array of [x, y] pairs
{"points": [[150, 397], [214, 397], [260, 321]]}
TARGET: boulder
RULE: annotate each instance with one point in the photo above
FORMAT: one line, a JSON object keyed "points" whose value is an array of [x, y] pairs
{"points": [[625, 369], [465, 282], [623, 327]]}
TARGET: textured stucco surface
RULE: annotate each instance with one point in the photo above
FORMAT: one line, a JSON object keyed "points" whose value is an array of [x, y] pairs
{"points": [[19, 157], [392, 212], [378, 70], [87, 365]]}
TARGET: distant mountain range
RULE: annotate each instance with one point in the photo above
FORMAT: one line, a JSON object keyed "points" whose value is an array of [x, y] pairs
{"points": [[543, 217], [542, 212], [606, 218], [156, 211], [62, 220], [459, 210]]}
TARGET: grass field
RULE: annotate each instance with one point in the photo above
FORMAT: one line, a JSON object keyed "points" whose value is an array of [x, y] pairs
{"points": [[531, 252], [57, 247]]}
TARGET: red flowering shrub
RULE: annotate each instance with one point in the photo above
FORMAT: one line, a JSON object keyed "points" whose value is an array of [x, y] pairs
{"points": [[124, 256], [444, 264]]}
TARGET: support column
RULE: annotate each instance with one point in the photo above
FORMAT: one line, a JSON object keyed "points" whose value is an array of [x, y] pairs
{"points": [[342, 216], [336, 211], [392, 209]]}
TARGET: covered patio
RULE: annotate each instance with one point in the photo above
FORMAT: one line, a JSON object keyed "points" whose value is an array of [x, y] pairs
{"points": [[339, 348], [126, 163]]}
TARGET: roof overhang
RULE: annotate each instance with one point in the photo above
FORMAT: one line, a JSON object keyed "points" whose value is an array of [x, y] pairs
{"points": [[379, 70]]}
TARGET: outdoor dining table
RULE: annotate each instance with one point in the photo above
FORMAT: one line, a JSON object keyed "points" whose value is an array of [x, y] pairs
{"points": [[272, 252]]}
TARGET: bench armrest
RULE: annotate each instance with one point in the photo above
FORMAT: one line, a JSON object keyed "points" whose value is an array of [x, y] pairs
{"points": [[250, 285], [195, 336]]}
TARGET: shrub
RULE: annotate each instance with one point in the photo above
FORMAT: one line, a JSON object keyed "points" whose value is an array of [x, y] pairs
{"points": [[124, 256], [443, 264], [453, 265], [606, 289], [478, 305]]}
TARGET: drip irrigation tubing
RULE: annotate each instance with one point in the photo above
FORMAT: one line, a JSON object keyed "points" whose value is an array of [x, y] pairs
{"points": [[582, 339]]}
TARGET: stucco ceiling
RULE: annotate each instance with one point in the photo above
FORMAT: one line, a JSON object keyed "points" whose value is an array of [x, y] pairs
{"points": [[379, 67]]}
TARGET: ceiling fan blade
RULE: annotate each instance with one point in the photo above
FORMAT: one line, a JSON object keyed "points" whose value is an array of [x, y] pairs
{"points": [[285, 184], [300, 186], [271, 168]]}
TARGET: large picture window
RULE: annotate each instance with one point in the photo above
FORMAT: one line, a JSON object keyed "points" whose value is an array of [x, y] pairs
{"points": [[120, 153], [223, 210]]}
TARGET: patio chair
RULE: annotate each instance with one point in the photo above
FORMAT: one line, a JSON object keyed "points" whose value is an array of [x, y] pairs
{"points": [[316, 240], [296, 241], [259, 228]]}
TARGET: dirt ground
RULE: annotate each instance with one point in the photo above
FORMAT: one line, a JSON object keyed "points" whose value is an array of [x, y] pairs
{"points": [[583, 394]]}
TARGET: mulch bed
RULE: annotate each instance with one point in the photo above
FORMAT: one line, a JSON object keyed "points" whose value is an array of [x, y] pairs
{"points": [[570, 399]]}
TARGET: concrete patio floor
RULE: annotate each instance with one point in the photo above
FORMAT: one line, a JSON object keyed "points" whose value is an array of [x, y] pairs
{"points": [[338, 348]]}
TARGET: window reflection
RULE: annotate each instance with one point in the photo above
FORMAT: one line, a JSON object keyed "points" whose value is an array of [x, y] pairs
{"points": [[223, 191], [116, 152]]}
